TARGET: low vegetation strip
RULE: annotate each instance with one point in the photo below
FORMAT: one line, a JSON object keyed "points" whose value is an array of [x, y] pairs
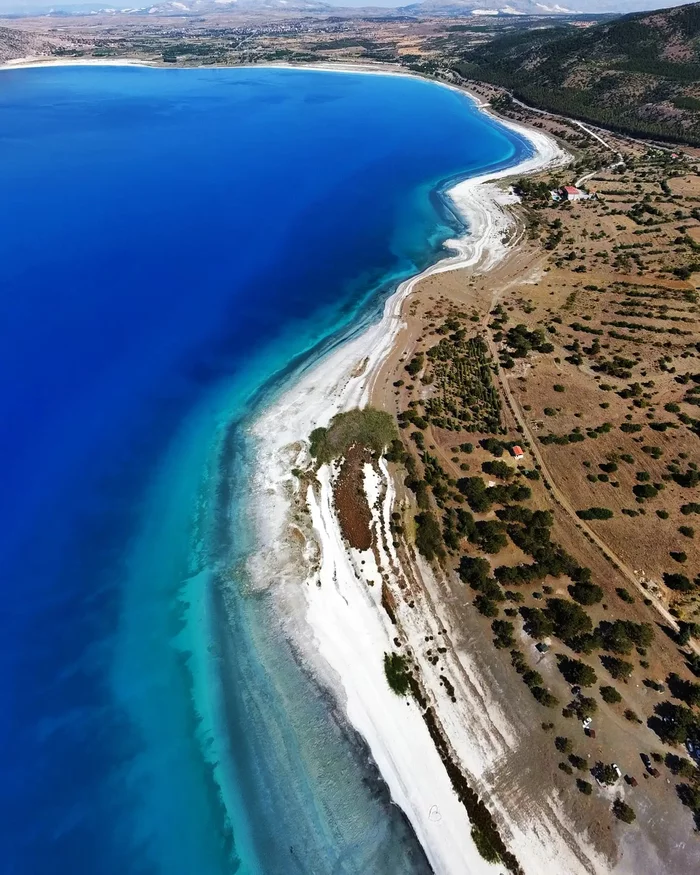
{"points": [[595, 513], [485, 832], [369, 428]]}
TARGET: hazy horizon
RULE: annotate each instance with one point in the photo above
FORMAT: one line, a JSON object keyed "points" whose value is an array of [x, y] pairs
{"points": [[25, 7]]}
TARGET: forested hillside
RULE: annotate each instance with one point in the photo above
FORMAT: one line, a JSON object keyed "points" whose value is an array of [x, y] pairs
{"points": [[638, 74]]}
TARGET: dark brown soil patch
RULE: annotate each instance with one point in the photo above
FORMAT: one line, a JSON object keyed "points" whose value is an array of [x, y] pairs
{"points": [[351, 504]]}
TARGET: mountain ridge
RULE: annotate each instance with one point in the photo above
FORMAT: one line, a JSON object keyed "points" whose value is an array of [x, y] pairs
{"points": [[424, 8], [638, 74]]}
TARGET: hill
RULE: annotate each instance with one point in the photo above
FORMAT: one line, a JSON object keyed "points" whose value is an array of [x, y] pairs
{"points": [[638, 74], [15, 43]]}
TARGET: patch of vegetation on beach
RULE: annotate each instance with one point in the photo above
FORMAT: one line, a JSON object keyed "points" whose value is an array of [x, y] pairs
{"points": [[370, 428], [484, 832], [397, 671]]}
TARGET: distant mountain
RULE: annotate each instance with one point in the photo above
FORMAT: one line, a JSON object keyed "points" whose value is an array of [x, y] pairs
{"points": [[639, 73], [181, 7], [533, 7], [354, 8], [458, 8]]}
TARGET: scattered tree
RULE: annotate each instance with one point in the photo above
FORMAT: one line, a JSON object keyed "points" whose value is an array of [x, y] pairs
{"points": [[576, 672], [618, 668], [563, 744], [623, 811], [610, 695]]}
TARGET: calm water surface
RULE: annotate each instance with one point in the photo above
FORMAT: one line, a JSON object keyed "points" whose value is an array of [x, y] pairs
{"points": [[170, 240]]}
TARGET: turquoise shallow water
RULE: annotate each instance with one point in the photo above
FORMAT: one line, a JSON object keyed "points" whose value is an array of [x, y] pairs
{"points": [[175, 243]]}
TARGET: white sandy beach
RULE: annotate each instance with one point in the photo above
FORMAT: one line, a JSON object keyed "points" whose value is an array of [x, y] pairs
{"points": [[340, 625], [344, 622], [330, 595]]}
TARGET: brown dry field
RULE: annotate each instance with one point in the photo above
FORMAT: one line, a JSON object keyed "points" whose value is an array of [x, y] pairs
{"points": [[686, 186], [542, 287]]}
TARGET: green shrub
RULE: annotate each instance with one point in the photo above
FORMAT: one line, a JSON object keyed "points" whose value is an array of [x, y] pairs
{"points": [[583, 707], [678, 582], [499, 469], [618, 668], [486, 606], [503, 632], [576, 672], [595, 513], [689, 794], [489, 535], [429, 536], [686, 691], [623, 811], [475, 571], [610, 695], [621, 636], [568, 618], [484, 846], [544, 697], [586, 593], [396, 669], [396, 452], [415, 366], [536, 623], [605, 773], [563, 744]]}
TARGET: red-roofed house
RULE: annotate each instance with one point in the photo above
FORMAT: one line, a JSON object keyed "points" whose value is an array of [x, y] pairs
{"points": [[571, 193], [518, 452]]}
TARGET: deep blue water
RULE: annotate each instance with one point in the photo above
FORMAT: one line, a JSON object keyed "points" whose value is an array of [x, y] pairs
{"points": [[169, 241]]}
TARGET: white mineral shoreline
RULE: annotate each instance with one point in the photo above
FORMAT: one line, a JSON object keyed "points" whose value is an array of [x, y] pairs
{"points": [[339, 625], [343, 620]]}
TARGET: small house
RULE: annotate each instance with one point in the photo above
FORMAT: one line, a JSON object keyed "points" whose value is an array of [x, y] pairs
{"points": [[517, 452], [571, 193]]}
